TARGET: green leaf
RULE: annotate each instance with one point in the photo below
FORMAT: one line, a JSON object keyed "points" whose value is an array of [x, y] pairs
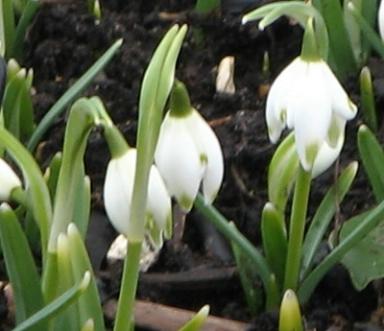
{"points": [[68, 319], [324, 215], [28, 14], [207, 6], [339, 42], [364, 261], [7, 24], [52, 173], [57, 306], [367, 98], [369, 11], [83, 117], [197, 322], [369, 33], [89, 304], [372, 156], [21, 268], [38, 195], [155, 89], [70, 95], [82, 206], [282, 172], [274, 235], [369, 222], [252, 291]]}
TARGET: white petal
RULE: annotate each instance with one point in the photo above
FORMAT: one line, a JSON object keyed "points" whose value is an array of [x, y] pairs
{"points": [[278, 98], [381, 19], [312, 116], [341, 103], [159, 202], [327, 156], [178, 161], [8, 180], [210, 154], [118, 188]]}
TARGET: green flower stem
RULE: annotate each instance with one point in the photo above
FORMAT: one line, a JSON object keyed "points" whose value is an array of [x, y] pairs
{"points": [[124, 316], [296, 229], [366, 225], [232, 234]]}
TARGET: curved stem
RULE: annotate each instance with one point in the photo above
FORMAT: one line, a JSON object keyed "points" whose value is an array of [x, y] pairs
{"points": [[232, 234], [296, 229]]}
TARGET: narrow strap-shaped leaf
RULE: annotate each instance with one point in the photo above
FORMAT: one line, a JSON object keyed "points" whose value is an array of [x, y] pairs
{"points": [[39, 199], [21, 268], [324, 214], [56, 306], [29, 12], [274, 236], [367, 30], [8, 23], [366, 225], [282, 172], [247, 273], [27, 125], [368, 105], [369, 12], [70, 318], [89, 304], [82, 206], [83, 117], [72, 93], [372, 155], [11, 108], [340, 45]]}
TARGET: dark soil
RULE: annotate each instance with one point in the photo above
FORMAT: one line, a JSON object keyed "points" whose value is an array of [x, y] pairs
{"points": [[64, 41]]}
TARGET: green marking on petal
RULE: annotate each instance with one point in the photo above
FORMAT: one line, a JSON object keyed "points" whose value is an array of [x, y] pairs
{"points": [[185, 202], [203, 159], [333, 134]]}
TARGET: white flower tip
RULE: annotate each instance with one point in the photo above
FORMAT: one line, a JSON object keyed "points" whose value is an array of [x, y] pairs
{"points": [[350, 5], [85, 281], [4, 207], [352, 107], [261, 26], [244, 20]]}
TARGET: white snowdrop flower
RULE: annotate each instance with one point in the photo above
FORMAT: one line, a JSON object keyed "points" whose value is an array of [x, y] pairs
{"points": [[8, 180], [381, 19], [188, 153], [307, 98], [118, 190]]}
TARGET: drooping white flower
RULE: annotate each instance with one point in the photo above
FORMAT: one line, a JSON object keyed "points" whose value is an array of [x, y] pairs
{"points": [[8, 180], [118, 189], [308, 98], [381, 19], [188, 153]]}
